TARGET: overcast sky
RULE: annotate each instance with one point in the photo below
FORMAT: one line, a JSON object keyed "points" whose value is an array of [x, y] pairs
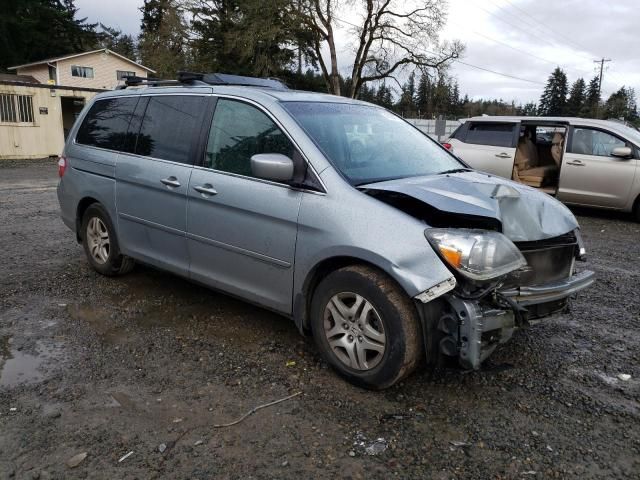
{"points": [[539, 35]]}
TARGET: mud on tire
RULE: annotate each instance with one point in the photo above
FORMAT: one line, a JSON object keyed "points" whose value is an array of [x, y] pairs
{"points": [[391, 317]]}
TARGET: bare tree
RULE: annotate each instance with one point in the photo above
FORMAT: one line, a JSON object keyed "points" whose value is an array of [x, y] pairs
{"points": [[389, 36]]}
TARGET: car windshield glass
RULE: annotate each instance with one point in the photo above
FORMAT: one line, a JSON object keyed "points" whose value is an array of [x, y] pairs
{"points": [[368, 144]]}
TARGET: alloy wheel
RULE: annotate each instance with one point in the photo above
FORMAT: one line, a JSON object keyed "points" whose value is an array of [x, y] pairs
{"points": [[354, 331], [98, 240]]}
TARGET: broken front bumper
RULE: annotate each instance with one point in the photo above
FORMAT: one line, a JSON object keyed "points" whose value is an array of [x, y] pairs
{"points": [[536, 294], [472, 329]]}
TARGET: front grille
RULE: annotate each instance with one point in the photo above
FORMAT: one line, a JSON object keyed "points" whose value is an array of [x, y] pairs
{"points": [[548, 260]]}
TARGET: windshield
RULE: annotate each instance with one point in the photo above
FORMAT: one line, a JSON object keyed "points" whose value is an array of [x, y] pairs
{"points": [[368, 144]]}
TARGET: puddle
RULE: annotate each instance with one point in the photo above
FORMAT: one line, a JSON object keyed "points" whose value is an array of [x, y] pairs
{"points": [[19, 367]]}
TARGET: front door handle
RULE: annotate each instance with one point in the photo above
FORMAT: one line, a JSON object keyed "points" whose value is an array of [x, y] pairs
{"points": [[576, 163], [503, 155], [171, 182], [206, 189]]}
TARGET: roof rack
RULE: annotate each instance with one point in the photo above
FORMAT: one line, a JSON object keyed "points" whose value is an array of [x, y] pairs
{"points": [[228, 79], [192, 78], [135, 81]]}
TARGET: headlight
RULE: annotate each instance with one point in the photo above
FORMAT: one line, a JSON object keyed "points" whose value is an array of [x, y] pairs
{"points": [[477, 254]]}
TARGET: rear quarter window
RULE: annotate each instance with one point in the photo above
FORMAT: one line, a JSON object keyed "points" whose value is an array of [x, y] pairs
{"points": [[494, 134], [107, 122]]}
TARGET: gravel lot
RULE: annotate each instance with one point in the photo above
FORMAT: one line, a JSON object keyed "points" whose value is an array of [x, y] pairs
{"points": [[150, 362]]}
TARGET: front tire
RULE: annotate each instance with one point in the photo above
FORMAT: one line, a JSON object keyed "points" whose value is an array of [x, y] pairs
{"points": [[100, 243], [366, 327]]}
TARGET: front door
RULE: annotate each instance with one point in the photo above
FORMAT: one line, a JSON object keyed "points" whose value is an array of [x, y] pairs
{"points": [[152, 181], [241, 229], [590, 175]]}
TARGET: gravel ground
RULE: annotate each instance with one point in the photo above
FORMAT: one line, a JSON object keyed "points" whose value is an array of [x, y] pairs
{"points": [[149, 363]]}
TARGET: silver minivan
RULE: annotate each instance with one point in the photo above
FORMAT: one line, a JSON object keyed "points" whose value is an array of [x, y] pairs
{"points": [[334, 212], [580, 161]]}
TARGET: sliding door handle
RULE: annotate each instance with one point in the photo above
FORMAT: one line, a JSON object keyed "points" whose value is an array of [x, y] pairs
{"points": [[503, 155], [576, 163], [206, 189]]}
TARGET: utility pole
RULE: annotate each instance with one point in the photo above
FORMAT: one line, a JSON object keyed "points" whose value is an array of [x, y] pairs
{"points": [[601, 62]]}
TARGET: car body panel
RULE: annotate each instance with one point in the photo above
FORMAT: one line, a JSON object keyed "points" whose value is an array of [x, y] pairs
{"points": [[152, 215], [524, 214], [242, 239]]}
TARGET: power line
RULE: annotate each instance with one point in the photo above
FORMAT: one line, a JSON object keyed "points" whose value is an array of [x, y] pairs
{"points": [[513, 77], [499, 73], [521, 51], [559, 34], [520, 29]]}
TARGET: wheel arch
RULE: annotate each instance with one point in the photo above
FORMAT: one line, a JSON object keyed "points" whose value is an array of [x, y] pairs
{"points": [[83, 204], [303, 298]]}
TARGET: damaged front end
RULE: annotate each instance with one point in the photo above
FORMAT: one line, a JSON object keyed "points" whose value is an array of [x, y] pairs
{"points": [[512, 252], [474, 318]]}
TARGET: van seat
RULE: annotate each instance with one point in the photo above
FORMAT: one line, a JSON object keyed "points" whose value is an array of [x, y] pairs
{"points": [[537, 176]]}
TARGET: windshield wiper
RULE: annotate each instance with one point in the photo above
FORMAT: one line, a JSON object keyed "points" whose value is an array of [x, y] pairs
{"points": [[455, 170]]}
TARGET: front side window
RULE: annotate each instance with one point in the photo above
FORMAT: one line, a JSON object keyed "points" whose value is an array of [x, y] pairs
{"points": [[494, 134], [587, 141], [369, 144], [169, 125], [240, 131], [83, 72], [107, 122]]}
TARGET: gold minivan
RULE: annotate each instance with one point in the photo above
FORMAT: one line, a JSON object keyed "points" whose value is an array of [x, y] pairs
{"points": [[580, 161]]}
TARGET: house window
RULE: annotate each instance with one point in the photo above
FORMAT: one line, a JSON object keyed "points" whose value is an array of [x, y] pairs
{"points": [[16, 108], [120, 74], [84, 72]]}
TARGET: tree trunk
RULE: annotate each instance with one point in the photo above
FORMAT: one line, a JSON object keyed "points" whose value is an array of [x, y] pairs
{"points": [[334, 79]]}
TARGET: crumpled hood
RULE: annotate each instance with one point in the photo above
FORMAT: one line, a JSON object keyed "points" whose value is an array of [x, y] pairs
{"points": [[524, 213]]}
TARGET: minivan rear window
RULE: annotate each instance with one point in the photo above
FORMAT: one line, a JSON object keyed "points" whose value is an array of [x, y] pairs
{"points": [[495, 134], [169, 125], [106, 123]]}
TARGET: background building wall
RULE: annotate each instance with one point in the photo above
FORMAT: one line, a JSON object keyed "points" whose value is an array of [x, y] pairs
{"points": [[45, 136]]}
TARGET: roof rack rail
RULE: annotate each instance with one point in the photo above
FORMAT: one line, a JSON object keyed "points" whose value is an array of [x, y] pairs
{"points": [[135, 81], [228, 79]]}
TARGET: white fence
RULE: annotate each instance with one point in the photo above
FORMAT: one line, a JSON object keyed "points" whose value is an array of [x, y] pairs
{"points": [[428, 126]]}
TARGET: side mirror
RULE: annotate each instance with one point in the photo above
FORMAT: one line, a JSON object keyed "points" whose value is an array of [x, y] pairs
{"points": [[272, 166], [622, 152]]}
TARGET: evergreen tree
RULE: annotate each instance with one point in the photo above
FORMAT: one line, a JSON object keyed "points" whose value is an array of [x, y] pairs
{"points": [[384, 98], [592, 102], [163, 37], [407, 104], [247, 37], [621, 105], [32, 30], [423, 96], [577, 98], [554, 97], [529, 109], [114, 40]]}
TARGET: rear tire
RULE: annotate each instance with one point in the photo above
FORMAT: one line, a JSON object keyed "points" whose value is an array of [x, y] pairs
{"points": [[101, 244], [366, 327]]}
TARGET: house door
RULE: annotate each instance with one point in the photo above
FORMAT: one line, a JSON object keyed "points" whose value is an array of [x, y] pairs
{"points": [[71, 108]]}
